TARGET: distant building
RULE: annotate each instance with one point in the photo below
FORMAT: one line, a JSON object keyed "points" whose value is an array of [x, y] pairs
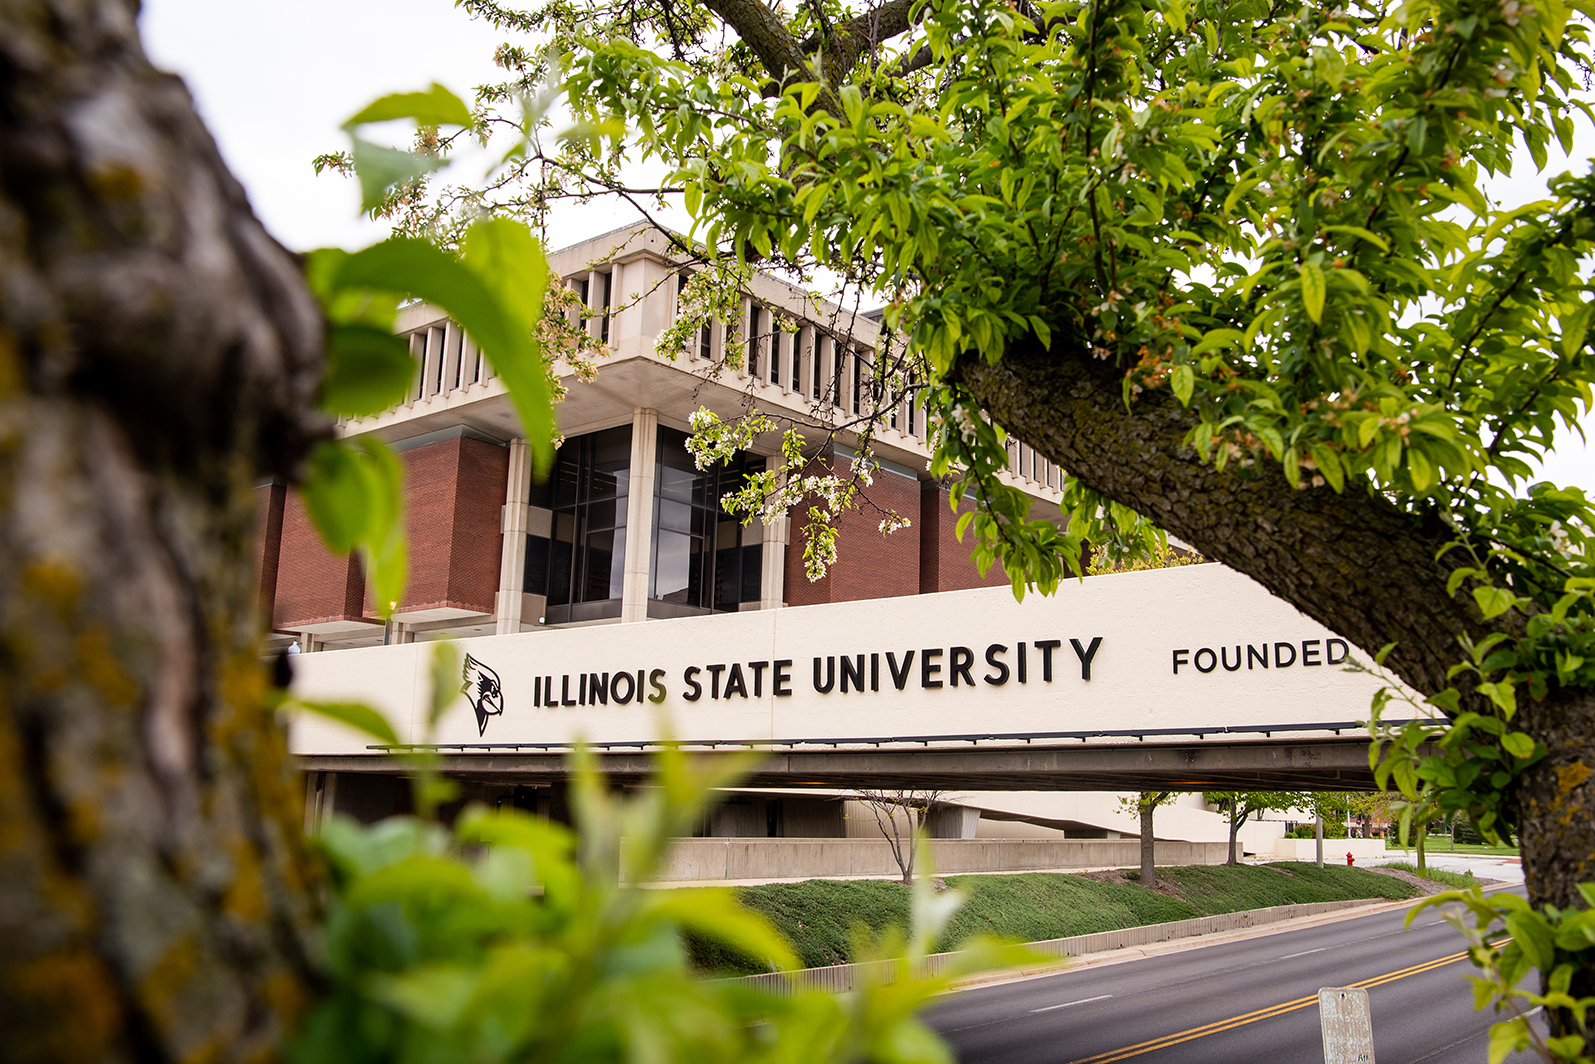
{"points": [[627, 530], [492, 550]]}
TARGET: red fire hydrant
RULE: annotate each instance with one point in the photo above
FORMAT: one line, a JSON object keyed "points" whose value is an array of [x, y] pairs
{"points": [[1349, 859]]}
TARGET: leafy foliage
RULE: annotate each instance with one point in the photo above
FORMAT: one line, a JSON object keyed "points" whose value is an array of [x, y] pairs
{"points": [[511, 938], [1557, 942], [494, 289]]}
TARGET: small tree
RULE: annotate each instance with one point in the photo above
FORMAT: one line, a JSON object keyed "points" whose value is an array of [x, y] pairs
{"points": [[904, 840], [1143, 804], [1240, 806]]}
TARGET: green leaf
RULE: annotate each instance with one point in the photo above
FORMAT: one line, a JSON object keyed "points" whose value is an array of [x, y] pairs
{"points": [[1518, 745], [447, 671], [496, 310], [354, 494], [379, 169], [1419, 469], [368, 371], [714, 913], [504, 254], [354, 714], [1312, 290], [1183, 381], [1493, 601], [436, 106]]}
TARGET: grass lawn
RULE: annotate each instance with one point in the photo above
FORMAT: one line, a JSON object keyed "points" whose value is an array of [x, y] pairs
{"points": [[1438, 844], [1437, 875], [821, 917]]}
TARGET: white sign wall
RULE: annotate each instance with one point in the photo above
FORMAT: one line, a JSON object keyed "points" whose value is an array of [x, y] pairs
{"points": [[1198, 646]]}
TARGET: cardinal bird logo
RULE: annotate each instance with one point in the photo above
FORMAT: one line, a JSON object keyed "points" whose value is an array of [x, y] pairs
{"points": [[482, 688]]}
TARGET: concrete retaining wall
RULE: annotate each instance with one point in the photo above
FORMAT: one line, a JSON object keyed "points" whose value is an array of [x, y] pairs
{"points": [[1335, 850], [731, 859], [839, 978]]}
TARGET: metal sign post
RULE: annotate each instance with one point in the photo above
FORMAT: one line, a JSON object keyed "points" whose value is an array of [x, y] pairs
{"points": [[1347, 1025]]}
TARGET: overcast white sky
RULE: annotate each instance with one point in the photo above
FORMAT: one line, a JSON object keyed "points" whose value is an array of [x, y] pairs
{"points": [[275, 79]]}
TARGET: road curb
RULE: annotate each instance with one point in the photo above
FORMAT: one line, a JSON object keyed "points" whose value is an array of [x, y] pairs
{"points": [[1103, 947]]}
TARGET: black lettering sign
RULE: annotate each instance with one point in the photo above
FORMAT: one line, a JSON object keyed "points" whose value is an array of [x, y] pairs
{"points": [[958, 661], [1024, 674], [537, 690], [1000, 677], [1047, 646], [1329, 651], [656, 681], [714, 672], [1310, 652], [852, 669], [564, 691], [623, 695], [1212, 660], [735, 684], [1181, 657], [781, 679], [926, 669], [598, 688], [1085, 654], [830, 675], [758, 668], [874, 672], [582, 697], [697, 688], [1278, 664], [899, 676], [1223, 658], [1253, 655]]}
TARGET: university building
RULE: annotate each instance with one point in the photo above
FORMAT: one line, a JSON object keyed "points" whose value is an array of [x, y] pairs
{"points": [[628, 531]]}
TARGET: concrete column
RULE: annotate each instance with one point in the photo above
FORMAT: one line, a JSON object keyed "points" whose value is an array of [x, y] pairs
{"points": [[309, 643], [744, 336], [777, 534], [640, 515], [515, 526]]}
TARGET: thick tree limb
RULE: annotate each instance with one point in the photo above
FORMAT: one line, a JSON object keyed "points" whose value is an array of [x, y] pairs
{"points": [[1351, 561]]}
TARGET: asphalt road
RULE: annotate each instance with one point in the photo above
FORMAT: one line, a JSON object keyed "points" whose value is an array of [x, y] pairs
{"points": [[1255, 999]]}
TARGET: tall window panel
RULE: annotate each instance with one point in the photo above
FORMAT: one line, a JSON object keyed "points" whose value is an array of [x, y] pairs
{"points": [[704, 561], [581, 564]]}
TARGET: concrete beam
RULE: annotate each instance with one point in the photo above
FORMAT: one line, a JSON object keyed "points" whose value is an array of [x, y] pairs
{"points": [[1339, 763]]}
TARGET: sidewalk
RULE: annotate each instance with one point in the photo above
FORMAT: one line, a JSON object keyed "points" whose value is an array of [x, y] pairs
{"points": [[1505, 869]]}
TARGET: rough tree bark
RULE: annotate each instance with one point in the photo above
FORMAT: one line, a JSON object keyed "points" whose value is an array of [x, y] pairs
{"points": [[158, 354], [1350, 561], [1148, 804]]}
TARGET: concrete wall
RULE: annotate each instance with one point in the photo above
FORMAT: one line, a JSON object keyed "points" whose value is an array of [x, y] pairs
{"points": [[1335, 850], [732, 859], [1145, 621]]}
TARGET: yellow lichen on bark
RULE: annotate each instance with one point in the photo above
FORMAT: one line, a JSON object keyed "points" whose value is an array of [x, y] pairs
{"points": [[74, 990]]}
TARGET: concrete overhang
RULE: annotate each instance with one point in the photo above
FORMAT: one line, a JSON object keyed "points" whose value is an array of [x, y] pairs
{"points": [[1334, 764]]}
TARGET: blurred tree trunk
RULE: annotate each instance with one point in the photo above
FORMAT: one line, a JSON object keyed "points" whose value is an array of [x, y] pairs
{"points": [[158, 355]]}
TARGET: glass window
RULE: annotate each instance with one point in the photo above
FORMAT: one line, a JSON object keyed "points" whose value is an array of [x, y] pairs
{"points": [[701, 553], [583, 563]]}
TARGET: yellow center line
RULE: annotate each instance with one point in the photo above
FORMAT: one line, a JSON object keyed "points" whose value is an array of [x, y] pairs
{"points": [[1261, 1014]]}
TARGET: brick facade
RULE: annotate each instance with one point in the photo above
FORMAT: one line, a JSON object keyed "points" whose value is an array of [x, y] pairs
{"points": [[314, 585], [944, 563], [869, 564], [454, 500]]}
